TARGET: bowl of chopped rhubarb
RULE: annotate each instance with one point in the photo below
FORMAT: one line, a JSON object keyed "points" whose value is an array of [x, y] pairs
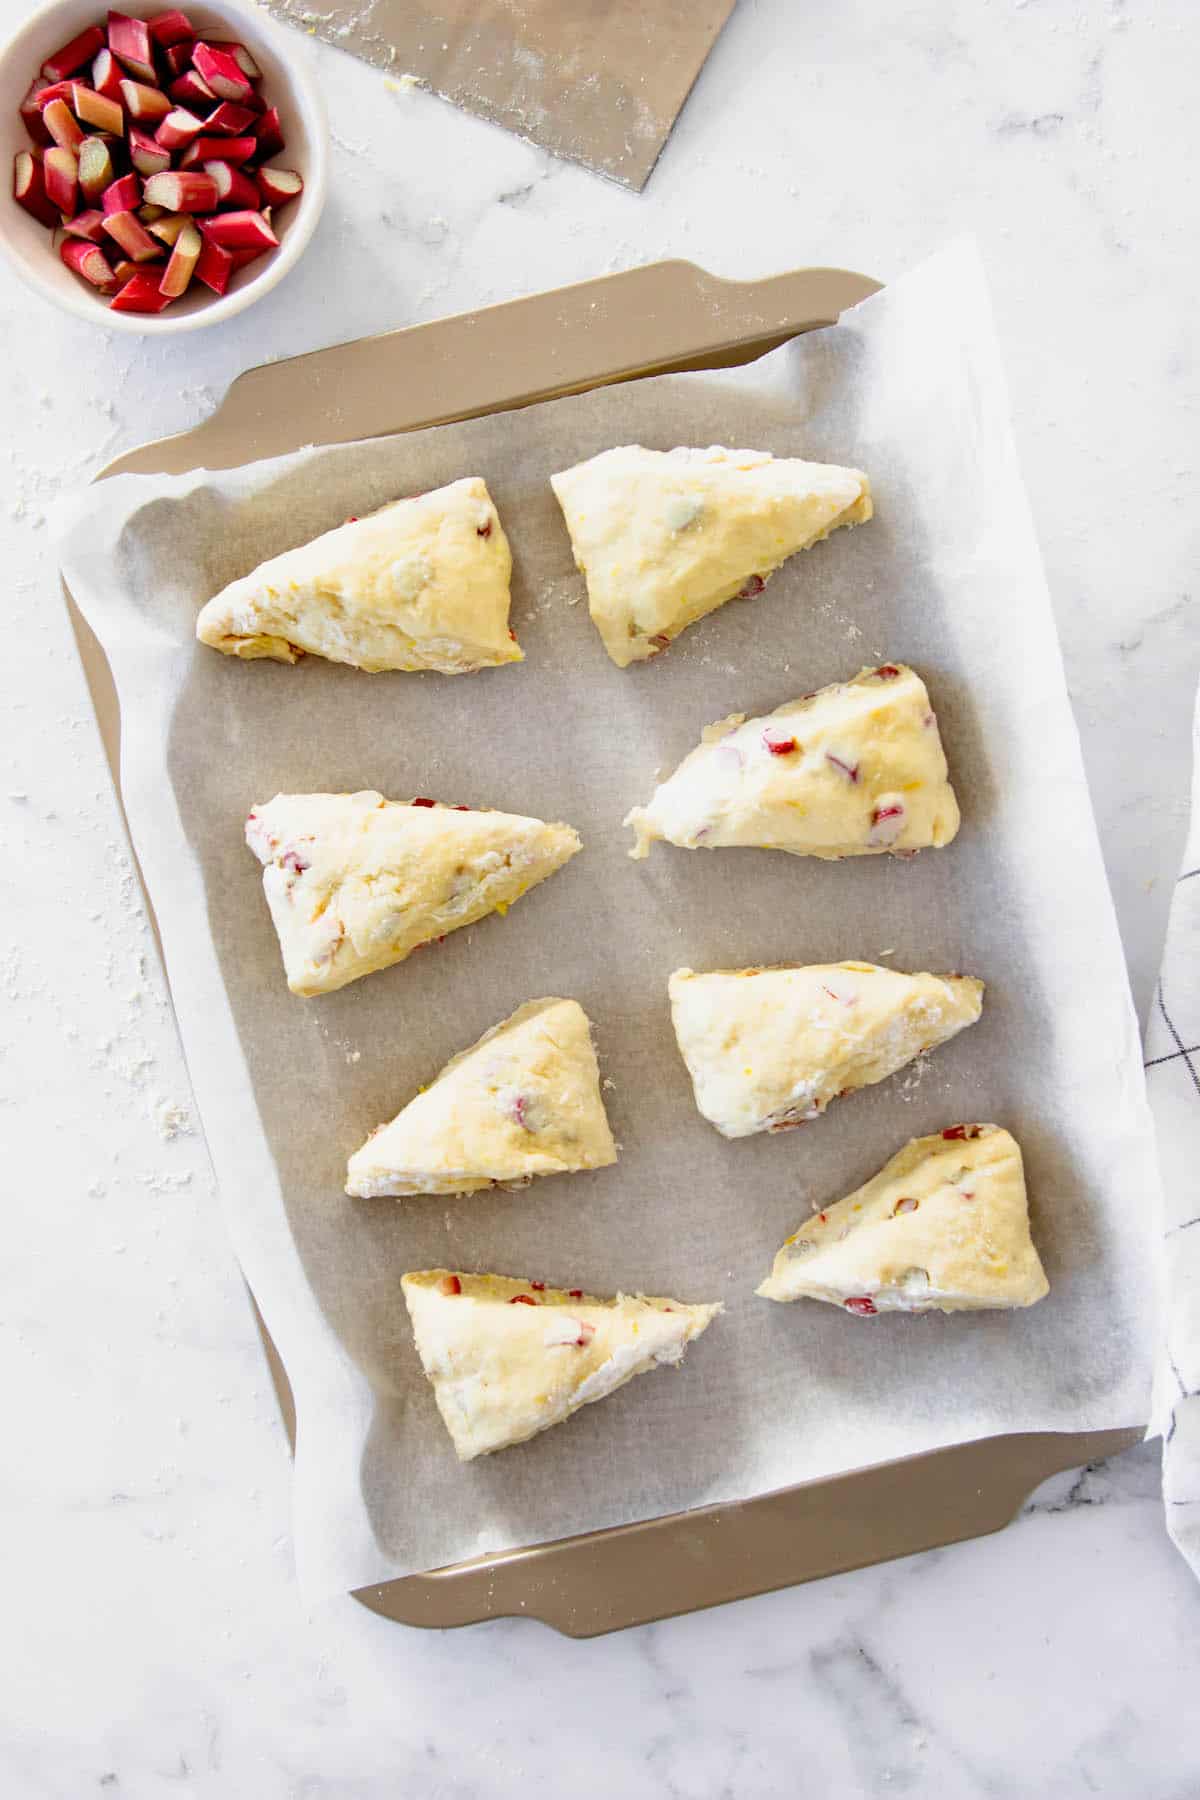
{"points": [[168, 165]]}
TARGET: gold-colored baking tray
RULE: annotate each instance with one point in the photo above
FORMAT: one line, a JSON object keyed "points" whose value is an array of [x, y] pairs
{"points": [[647, 321]]}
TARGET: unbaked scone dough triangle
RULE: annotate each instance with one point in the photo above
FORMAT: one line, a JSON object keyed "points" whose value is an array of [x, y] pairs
{"points": [[522, 1101], [510, 1358], [356, 882], [943, 1226], [770, 1048], [663, 537], [421, 584], [855, 769]]}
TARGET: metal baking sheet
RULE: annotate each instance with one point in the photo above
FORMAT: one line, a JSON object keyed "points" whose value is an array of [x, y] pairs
{"points": [[667, 316]]}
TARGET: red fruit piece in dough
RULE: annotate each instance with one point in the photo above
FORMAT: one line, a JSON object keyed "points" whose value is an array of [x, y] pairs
{"points": [[750, 589], [522, 1300], [450, 1284], [862, 1304], [779, 746], [957, 1133], [849, 770]]}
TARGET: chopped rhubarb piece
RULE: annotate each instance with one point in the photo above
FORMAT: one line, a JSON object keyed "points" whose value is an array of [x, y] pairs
{"points": [[849, 770], [125, 270], [62, 125], [539, 1287], [862, 1304], [887, 822], [96, 170], [106, 76], [277, 187], [57, 90], [89, 262], [751, 588], [147, 157], [167, 28], [887, 672], [779, 746], [587, 1331], [140, 294], [215, 266], [72, 56], [29, 188], [149, 215], [522, 1300], [484, 530], [146, 104], [241, 57], [188, 191], [168, 228], [450, 1284], [127, 230], [181, 266], [223, 149], [269, 132], [959, 1133], [222, 72], [178, 128], [291, 859], [661, 641], [192, 90], [906, 1204], [123, 196], [60, 172], [96, 109], [421, 801], [234, 186], [176, 59], [129, 41], [575, 1293], [86, 225], [230, 121], [31, 114]]}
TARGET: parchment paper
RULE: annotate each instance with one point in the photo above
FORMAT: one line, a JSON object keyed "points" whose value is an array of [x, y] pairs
{"points": [[947, 577]]}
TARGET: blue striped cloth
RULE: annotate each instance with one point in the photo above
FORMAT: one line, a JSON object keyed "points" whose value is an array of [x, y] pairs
{"points": [[1173, 1079]]}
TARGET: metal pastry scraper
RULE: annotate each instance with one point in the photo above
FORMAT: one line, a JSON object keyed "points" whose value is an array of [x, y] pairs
{"points": [[600, 82]]}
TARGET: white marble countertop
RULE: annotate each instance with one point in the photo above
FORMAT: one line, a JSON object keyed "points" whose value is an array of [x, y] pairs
{"points": [[156, 1644]]}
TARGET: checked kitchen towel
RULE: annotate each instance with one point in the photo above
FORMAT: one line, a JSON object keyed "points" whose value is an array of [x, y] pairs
{"points": [[1173, 1079]]}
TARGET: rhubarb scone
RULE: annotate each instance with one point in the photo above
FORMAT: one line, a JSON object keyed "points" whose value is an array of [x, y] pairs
{"points": [[356, 882], [510, 1358], [420, 584], [522, 1101], [770, 1048], [663, 537], [944, 1226], [856, 769]]}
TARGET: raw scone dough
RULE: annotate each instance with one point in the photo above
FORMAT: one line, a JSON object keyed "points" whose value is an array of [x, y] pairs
{"points": [[856, 769], [510, 1358], [522, 1101], [769, 1048], [420, 584], [355, 882], [664, 537], [944, 1225]]}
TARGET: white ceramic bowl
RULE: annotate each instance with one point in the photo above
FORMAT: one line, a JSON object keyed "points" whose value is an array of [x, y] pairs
{"points": [[287, 84]]}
